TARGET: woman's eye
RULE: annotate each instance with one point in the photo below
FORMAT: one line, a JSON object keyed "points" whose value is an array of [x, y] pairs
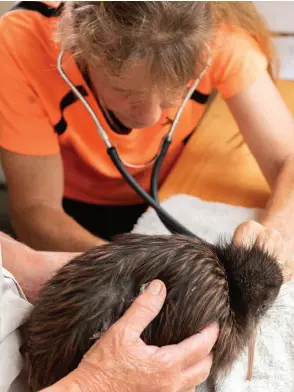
{"points": [[122, 92]]}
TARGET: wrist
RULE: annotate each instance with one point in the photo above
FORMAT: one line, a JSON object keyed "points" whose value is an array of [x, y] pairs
{"points": [[66, 384], [77, 381]]}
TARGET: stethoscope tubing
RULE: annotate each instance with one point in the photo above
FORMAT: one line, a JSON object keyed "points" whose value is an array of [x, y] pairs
{"points": [[173, 225]]}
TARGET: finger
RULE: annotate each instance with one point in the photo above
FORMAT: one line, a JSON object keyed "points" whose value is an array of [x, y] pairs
{"points": [[272, 241], [197, 347], [197, 374], [288, 271], [290, 265], [246, 233], [143, 310]]}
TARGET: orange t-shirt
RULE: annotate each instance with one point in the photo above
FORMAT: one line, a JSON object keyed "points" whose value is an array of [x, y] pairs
{"points": [[40, 115]]}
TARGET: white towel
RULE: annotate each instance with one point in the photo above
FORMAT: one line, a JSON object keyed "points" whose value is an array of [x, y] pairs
{"points": [[274, 351]]}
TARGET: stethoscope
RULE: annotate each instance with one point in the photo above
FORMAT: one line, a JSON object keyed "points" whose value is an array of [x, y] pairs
{"points": [[151, 199]]}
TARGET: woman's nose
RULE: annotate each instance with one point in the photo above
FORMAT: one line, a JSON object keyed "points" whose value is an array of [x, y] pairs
{"points": [[147, 114]]}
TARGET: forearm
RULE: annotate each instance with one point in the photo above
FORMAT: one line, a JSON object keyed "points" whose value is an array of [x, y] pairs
{"points": [[279, 213], [47, 228], [30, 268], [14, 255]]}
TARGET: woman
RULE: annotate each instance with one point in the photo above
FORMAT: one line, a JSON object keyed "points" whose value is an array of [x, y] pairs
{"points": [[133, 62]]}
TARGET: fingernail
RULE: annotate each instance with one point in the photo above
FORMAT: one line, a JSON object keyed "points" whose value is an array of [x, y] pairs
{"points": [[154, 287]]}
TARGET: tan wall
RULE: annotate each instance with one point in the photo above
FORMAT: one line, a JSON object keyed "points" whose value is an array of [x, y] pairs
{"points": [[5, 5]]}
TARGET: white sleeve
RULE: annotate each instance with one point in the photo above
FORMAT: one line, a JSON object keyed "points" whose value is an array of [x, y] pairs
{"points": [[14, 308]]}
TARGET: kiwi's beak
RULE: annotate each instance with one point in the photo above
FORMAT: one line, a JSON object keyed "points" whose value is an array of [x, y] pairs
{"points": [[251, 349]]}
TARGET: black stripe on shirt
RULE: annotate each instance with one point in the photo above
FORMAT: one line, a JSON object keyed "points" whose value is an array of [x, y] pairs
{"points": [[200, 97], [37, 6], [66, 101]]}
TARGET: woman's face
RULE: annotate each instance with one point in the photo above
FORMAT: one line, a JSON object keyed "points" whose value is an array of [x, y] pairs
{"points": [[131, 96]]}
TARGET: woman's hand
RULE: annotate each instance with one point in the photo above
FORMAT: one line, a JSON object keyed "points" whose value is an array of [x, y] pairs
{"points": [[30, 268], [251, 232], [121, 361]]}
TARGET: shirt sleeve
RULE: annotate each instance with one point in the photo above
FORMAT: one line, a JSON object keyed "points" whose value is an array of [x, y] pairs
{"points": [[237, 61], [24, 124]]}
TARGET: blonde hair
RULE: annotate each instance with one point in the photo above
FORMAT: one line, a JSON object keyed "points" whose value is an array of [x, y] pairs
{"points": [[245, 15], [169, 35]]}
